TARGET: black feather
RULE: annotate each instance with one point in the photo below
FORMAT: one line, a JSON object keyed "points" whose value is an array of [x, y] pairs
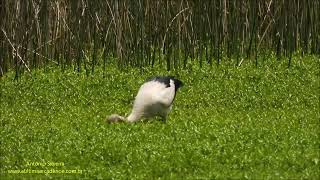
{"points": [[166, 80]]}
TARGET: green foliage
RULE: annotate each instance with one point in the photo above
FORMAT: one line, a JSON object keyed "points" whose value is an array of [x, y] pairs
{"points": [[227, 122]]}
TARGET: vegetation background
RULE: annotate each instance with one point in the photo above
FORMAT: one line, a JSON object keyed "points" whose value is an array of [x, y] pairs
{"points": [[249, 108], [35, 33]]}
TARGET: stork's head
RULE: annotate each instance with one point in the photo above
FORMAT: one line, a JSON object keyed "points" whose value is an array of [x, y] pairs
{"points": [[177, 83]]}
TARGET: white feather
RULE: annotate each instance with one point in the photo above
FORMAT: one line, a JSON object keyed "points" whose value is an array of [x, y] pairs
{"points": [[153, 99]]}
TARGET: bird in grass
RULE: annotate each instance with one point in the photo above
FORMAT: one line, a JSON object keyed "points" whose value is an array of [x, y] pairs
{"points": [[155, 98]]}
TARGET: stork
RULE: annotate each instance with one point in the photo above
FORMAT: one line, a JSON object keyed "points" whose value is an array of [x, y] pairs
{"points": [[155, 98]]}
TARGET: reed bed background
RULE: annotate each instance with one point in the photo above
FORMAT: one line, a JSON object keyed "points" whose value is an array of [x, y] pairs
{"points": [[84, 33]]}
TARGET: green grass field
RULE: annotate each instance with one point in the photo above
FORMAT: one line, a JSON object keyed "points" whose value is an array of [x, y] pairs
{"points": [[227, 122]]}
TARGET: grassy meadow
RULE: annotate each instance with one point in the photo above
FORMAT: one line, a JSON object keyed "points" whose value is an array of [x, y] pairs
{"points": [[248, 122]]}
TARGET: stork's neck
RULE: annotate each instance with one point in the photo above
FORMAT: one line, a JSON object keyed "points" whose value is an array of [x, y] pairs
{"points": [[133, 117]]}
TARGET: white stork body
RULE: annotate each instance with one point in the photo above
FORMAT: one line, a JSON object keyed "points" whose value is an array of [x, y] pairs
{"points": [[154, 98]]}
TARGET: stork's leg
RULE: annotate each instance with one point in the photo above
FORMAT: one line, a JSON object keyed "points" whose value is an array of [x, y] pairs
{"points": [[165, 113], [163, 118]]}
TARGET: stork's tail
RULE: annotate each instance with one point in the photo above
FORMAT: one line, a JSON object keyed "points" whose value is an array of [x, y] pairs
{"points": [[115, 118]]}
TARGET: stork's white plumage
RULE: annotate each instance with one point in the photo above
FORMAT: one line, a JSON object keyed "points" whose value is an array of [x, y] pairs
{"points": [[154, 98]]}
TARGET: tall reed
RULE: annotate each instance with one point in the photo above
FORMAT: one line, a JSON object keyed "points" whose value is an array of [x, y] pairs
{"points": [[84, 34]]}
